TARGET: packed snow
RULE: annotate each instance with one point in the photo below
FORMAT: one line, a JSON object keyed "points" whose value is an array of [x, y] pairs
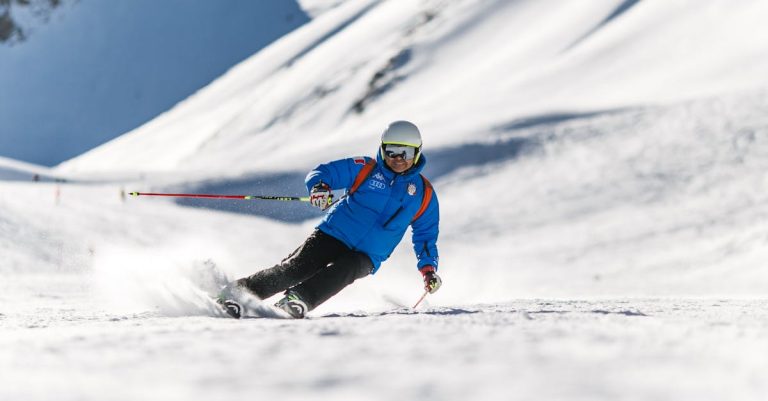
{"points": [[604, 229]]}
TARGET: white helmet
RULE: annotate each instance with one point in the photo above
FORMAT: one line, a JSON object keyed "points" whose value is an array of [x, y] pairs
{"points": [[402, 133]]}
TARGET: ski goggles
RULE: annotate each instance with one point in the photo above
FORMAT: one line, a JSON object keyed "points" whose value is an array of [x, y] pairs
{"points": [[392, 150]]}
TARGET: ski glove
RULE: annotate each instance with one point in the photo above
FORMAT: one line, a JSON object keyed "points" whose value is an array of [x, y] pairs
{"points": [[320, 196], [432, 281]]}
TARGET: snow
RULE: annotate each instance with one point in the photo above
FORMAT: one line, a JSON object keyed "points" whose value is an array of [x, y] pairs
{"points": [[603, 235], [315, 8], [667, 349]]}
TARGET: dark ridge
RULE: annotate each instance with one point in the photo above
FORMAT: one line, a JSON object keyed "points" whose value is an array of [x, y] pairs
{"points": [[620, 10], [329, 35], [11, 31], [383, 80]]}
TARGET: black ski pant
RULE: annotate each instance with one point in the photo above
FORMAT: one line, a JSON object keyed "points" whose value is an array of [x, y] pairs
{"points": [[317, 270]]}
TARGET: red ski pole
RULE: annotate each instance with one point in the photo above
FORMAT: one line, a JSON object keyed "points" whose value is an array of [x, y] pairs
{"points": [[421, 299], [218, 196]]}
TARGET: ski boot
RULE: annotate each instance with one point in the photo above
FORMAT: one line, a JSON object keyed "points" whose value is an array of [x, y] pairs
{"points": [[228, 299], [231, 307], [293, 305]]}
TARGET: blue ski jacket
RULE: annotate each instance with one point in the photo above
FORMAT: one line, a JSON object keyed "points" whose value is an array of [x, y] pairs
{"points": [[375, 217]]}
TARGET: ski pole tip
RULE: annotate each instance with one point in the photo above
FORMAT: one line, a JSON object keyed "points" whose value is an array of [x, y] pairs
{"points": [[133, 193], [420, 299]]}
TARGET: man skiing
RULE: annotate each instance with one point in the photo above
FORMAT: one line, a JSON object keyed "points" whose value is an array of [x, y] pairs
{"points": [[360, 231]]}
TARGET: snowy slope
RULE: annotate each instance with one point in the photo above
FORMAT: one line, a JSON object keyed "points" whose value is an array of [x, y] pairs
{"points": [[567, 143], [460, 69], [603, 230], [98, 69]]}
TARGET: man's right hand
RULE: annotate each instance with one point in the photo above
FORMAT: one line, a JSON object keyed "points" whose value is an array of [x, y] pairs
{"points": [[320, 196]]}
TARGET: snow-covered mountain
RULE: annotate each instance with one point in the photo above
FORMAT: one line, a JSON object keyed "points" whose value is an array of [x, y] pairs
{"points": [[463, 70], [599, 166], [91, 70]]}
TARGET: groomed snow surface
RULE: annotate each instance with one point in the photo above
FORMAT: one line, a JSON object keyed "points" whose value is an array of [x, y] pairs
{"points": [[519, 350], [604, 220]]}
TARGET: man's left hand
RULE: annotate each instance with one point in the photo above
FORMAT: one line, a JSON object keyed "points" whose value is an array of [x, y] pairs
{"points": [[432, 281]]}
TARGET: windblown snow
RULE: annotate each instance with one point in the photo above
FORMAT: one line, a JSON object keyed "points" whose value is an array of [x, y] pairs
{"points": [[603, 225]]}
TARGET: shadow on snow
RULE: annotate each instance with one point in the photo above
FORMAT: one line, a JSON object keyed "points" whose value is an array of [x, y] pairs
{"points": [[440, 162], [409, 311]]}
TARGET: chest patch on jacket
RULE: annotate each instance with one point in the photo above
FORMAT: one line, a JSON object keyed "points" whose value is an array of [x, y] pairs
{"points": [[375, 184], [377, 181]]}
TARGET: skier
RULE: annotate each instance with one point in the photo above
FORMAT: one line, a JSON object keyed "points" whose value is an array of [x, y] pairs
{"points": [[384, 196]]}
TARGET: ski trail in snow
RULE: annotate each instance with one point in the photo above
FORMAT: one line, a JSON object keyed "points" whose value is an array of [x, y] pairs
{"points": [[172, 281]]}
